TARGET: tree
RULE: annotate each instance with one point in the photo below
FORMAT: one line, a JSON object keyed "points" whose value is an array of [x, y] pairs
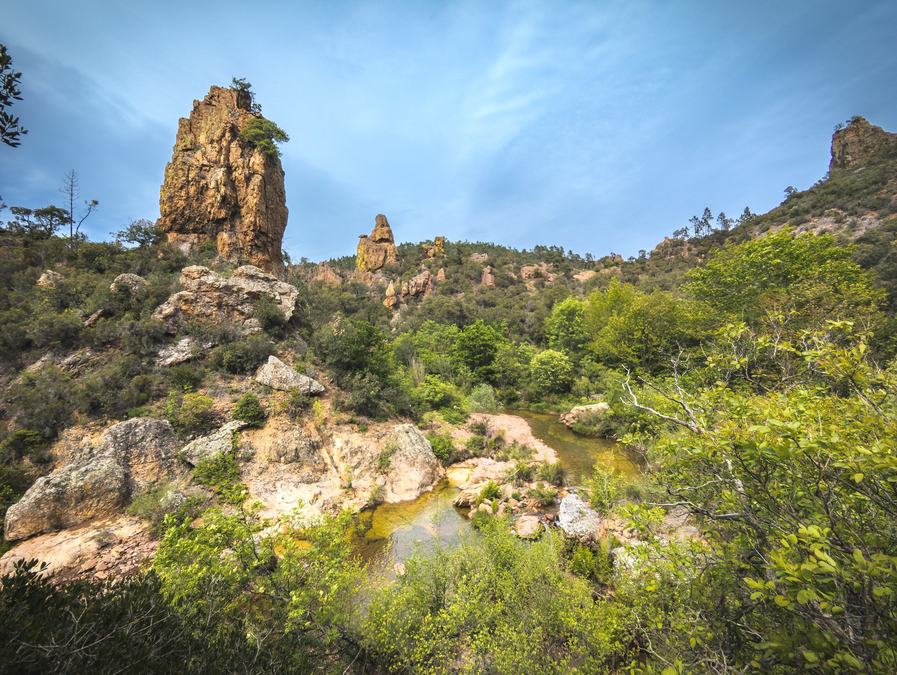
{"points": [[40, 223], [565, 326], [245, 95], [745, 217], [10, 129], [142, 233], [552, 371], [723, 223], [790, 191], [71, 188], [703, 224], [264, 135], [477, 346]]}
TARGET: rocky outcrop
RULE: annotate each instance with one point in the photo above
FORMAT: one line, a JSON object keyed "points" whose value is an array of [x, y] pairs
{"points": [[128, 283], [858, 143], [479, 258], [530, 273], [219, 442], [278, 375], [418, 286], [436, 250], [128, 458], [283, 442], [377, 250], [440, 275], [178, 352], [413, 468], [487, 279], [527, 526], [222, 190], [391, 298], [584, 414], [325, 274], [49, 279], [207, 296], [578, 520]]}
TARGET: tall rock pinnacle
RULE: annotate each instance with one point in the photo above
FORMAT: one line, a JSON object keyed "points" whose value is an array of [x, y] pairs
{"points": [[377, 250], [858, 142], [221, 189]]}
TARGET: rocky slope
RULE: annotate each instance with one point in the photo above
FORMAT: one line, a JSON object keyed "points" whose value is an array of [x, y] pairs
{"points": [[222, 190]]}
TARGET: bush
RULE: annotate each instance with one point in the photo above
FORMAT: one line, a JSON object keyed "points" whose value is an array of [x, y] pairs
{"points": [[605, 489], [264, 135], [543, 495], [221, 474], [443, 447], [249, 409], [482, 399], [191, 413], [296, 404], [184, 377], [269, 315], [162, 500], [551, 371], [242, 356], [552, 473], [489, 491]]}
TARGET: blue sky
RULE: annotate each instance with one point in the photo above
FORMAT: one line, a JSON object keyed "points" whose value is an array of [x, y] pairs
{"points": [[597, 126]]}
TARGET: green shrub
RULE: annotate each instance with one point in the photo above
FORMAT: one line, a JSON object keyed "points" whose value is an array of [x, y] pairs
{"points": [[191, 413], [443, 447], [160, 501], [523, 473], [242, 356], [482, 399], [384, 459], [605, 489], [551, 371], [264, 135], [552, 473], [249, 409], [185, 377], [221, 474], [543, 495], [269, 315], [296, 404], [489, 491]]}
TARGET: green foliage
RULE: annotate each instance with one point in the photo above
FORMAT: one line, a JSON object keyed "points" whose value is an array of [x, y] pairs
{"points": [[551, 371], [184, 377], [489, 492], [482, 399], [161, 501], [221, 474], [552, 473], [269, 315], [476, 347], [242, 356], [384, 459], [810, 278], [264, 135], [543, 495], [443, 447], [11, 130], [565, 327], [494, 604], [191, 413], [249, 409], [605, 489], [296, 404]]}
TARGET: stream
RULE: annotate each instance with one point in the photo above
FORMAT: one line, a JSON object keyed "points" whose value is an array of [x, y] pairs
{"points": [[397, 530]]}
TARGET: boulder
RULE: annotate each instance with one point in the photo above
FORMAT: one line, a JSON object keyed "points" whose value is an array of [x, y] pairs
{"points": [[207, 296], [178, 352], [49, 279], [278, 375], [578, 520], [488, 277], [440, 275], [216, 443], [413, 468], [584, 413], [391, 298], [378, 250], [128, 458], [127, 282], [527, 526], [221, 189], [418, 286], [93, 318]]}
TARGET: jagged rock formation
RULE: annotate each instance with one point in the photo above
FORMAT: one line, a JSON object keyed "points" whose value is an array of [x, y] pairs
{"points": [[859, 142], [102, 477], [221, 189], [418, 286], [377, 250], [207, 296], [278, 375], [440, 275], [488, 277], [437, 249], [49, 279], [392, 298]]}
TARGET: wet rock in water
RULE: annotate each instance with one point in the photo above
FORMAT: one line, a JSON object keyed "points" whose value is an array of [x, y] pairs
{"points": [[578, 520], [278, 375], [584, 413], [527, 526], [129, 457], [216, 443]]}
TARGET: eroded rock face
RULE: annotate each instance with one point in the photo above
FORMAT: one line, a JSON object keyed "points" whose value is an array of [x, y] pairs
{"points": [[219, 442], [278, 375], [127, 282], [377, 250], [283, 442], [578, 520], [221, 189], [418, 286], [858, 142], [437, 249], [391, 298], [207, 296], [128, 458], [49, 279], [413, 468], [488, 277]]}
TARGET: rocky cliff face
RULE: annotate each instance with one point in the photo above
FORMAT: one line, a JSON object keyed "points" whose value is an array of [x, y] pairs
{"points": [[221, 189], [377, 250], [858, 142]]}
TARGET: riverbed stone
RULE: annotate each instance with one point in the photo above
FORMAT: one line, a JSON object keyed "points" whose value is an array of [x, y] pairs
{"points": [[578, 520]]}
